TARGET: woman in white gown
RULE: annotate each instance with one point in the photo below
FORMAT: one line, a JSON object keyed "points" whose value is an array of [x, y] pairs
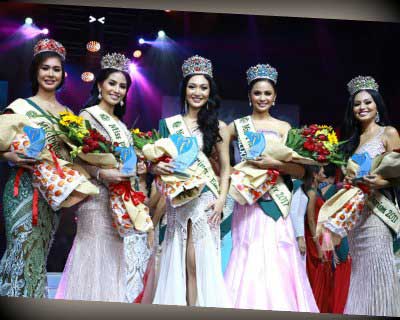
{"points": [[190, 269]]}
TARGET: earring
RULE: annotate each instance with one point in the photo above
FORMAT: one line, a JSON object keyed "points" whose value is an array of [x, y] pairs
{"points": [[99, 96], [122, 103], [186, 106], [250, 105], [377, 117], [207, 106], [273, 103]]}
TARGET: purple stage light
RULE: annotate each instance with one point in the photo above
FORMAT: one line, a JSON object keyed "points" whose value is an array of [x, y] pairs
{"points": [[141, 41], [45, 31]]}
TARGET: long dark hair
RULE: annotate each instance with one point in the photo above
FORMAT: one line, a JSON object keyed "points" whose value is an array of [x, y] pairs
{"points": [[119, 110], [35, 65], [351, 129], [207, 118], [308, 178]]}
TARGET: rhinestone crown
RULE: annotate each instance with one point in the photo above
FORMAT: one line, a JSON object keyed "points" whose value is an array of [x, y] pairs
{"points": [[45, 45], [115, 61], [197, 65], [361, 83]]}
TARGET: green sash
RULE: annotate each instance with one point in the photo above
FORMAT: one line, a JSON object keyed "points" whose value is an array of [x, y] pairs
{"points": [[281, 196]]}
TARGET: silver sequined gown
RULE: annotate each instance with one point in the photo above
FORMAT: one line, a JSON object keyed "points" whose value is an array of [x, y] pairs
{"points": [[102, 266], [374, 284]]}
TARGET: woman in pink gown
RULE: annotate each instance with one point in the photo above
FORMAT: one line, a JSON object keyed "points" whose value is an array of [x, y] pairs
{"points": [[265, 270]]}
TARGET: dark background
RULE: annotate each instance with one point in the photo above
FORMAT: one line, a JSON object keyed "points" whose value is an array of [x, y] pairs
{"points": [[315, 59]]}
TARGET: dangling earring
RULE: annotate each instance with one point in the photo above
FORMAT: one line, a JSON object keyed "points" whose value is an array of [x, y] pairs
{"points": [[207, 106], [377, 117], [99, 96], [250, 105], [273, 103], [186, 106], [122, 103]]}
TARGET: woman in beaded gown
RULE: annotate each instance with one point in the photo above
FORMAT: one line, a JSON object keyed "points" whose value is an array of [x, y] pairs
{"points": [[102, 265], [374, 283], [23, 265], [265, 269], [190, 268]]}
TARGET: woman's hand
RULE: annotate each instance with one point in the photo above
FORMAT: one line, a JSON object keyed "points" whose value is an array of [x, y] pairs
{"points": [[375, 181], [150, 239], [19, 160], [163, 168], [301, 242], [265, 162], [217, 206], [114, 175]]}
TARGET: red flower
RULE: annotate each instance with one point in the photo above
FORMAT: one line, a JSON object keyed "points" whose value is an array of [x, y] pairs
{"points": [[102, 138], [86, 149], [321, 158], [116, 144], [313, 128], [309, 145], [149, 134], [94, 145], [322, 137]]}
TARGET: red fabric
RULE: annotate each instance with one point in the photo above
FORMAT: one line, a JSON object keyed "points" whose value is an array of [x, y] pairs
{"points": [[54, 157], [20, 171], [35, 207], [341, 285], [319, 273]]}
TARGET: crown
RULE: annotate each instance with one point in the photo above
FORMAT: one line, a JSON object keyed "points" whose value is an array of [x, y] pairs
{"points": [[262, 71], [115, 61], [361, 83], [197, 65], [49, 45]]}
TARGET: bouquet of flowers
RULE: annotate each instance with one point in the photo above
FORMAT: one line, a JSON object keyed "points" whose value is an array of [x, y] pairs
{"points": [[140, 139], [340, 214], [313, 145], [186, 183], [316, 142], [128, 209], [61, 183]]}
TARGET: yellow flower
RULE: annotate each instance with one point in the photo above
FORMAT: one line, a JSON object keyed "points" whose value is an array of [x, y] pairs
{"points": [[68, 118], [332, 138], [136, 131]]}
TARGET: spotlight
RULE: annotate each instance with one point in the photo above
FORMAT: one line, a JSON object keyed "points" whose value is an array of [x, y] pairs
{"points": [[28, 21], [141, 41], [161, 34], [66, 74], [167, 10], [45, 31], [93, 46], [137, 53], [132, 68], [87, 76]]}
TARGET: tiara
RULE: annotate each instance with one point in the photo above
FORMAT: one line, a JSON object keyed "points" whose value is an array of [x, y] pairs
{"points": [[115, 61], [197, 65], [52, 45], [262, 71], [361, 83]]}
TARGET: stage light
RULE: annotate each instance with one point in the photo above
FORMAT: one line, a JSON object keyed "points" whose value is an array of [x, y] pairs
{"points": [[141, 41], [167, 10], [28, 21], [45, 31], [137, 53], [161, 34], [87, 76], [66, 74], [93, 46], [132, 68]]}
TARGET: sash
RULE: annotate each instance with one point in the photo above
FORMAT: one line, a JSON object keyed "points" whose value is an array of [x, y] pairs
{"points": [[386, 210], [279, 192], [176, 125], [109, 124], [30, 109]]}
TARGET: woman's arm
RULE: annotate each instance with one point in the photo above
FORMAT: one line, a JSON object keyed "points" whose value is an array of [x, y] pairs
{"points": [[224, 163]]}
